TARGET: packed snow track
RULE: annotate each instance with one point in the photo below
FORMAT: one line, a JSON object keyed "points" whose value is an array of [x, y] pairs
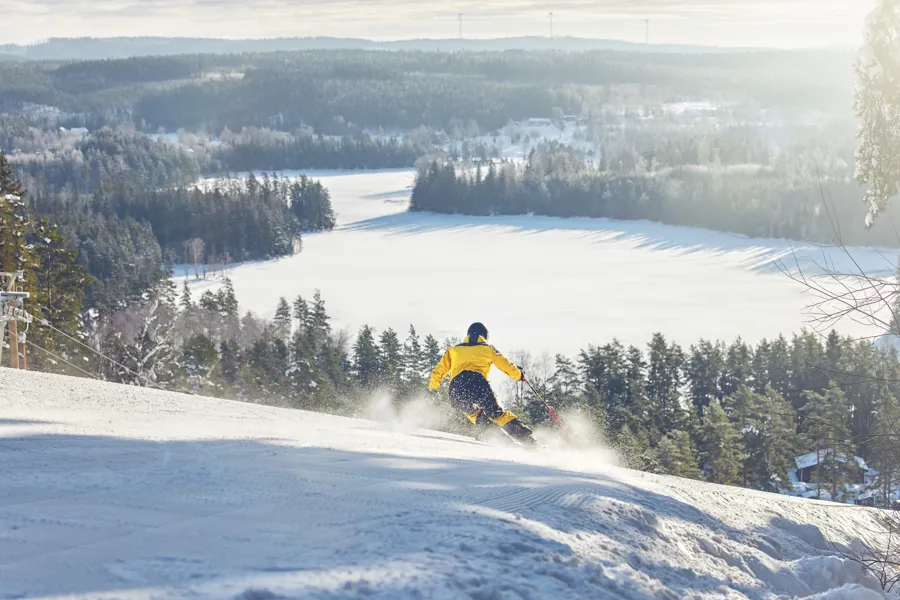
{"points": [[120, 492]]}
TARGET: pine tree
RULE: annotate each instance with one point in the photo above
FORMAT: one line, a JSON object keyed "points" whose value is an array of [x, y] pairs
{"points": [[704, 372], [635, 452], [639, 417], [251, 330], [141, 338], [859, 377], [834, 351], [885, 453], [186, 302], [737, 368], [59, 283], [759, 367], [604, 372], [302, 373], [301, 312], [199, 357], [16, 254], [51, 273], [779, 367], [227, 299], [720, 443], [676, 456], [268, 363], [229, 361], [366, 357], [283, 320], [564, 385], [319, 318], [665, 376], [209, 302], [807, 357], [9, 186], [742, 408], [390, 359], [167, 291], [766, 424], [778, 436], [827, 433], [432, 351], [413, 357]]}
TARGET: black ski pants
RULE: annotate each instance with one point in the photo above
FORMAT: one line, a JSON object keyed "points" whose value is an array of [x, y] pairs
{"points": [[471, 394]]}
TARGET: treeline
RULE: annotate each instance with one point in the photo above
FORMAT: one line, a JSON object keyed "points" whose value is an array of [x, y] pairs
{"points": [[787, 200], [128, 235], [264, 149], [207, 346], [63, 160], [733, 413], [110, 155], [226, 221], [86, 76], [97, 92], [335, 103], [334, 89]]}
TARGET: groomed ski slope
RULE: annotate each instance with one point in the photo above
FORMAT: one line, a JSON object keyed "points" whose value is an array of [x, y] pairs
{"points": [[120, 492]]}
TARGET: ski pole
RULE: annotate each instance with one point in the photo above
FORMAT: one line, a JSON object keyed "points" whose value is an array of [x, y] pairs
{"points": [[547, 406]]}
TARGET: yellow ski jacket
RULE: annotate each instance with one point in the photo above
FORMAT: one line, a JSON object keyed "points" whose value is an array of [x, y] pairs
{"points": [[478, 357]]}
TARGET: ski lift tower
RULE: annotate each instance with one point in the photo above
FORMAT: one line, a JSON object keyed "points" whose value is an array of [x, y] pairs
{"points": [[12, 312]]}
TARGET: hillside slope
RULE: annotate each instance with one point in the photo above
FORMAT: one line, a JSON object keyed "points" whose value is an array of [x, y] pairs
{"points": [[119, 492]]}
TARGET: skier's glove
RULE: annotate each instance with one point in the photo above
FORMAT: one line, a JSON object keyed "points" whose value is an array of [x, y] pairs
{"points": [[521, 370]]}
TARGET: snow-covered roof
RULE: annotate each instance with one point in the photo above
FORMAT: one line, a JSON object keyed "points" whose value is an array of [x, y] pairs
{"points": [[811, 459], [807, 460], [878, 494]]}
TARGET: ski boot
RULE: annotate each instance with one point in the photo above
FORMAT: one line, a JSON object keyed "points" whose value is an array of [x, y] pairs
{"points": [[517, 430]]}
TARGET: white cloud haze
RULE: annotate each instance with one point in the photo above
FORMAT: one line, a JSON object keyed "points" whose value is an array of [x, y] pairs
{"points": [[777, 23]]}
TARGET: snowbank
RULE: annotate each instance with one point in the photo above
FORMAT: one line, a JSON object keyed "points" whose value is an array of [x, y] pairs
{"points": [[119, 492]]}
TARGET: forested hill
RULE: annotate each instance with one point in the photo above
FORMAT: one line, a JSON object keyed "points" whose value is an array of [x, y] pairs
{"points": [[125, 47], [331, 89]]}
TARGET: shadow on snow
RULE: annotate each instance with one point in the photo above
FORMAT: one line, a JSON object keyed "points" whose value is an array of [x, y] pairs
{"points": [[758, 254], [192, 514]]}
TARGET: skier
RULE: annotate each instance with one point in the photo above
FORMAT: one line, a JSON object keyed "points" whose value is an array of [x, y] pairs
{"points": [[469, 365]]}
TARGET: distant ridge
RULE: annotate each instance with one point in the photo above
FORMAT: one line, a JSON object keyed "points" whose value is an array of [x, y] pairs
{"points": [[124, 47]]}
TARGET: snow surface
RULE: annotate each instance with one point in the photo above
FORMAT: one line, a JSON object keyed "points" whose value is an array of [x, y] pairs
{"points": [[540, 284], [120, 492]]}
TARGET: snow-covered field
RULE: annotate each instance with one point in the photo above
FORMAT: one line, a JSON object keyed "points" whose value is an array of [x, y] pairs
{"points": [[128, 493], [539, 284]]}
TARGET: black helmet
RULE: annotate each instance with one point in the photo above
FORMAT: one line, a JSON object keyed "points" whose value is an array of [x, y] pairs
{"points": [[476, 330]]}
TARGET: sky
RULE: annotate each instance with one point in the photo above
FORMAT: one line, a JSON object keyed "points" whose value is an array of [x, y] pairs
{"points": [[766, 23]]}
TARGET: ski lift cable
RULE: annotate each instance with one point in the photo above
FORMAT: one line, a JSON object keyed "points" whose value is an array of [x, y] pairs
{"points": [[143, 378], [59, 358], [47, 324]]}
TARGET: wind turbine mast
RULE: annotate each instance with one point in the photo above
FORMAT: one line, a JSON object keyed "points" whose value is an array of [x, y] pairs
{"points": [[551, 25], [460, 16]]}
